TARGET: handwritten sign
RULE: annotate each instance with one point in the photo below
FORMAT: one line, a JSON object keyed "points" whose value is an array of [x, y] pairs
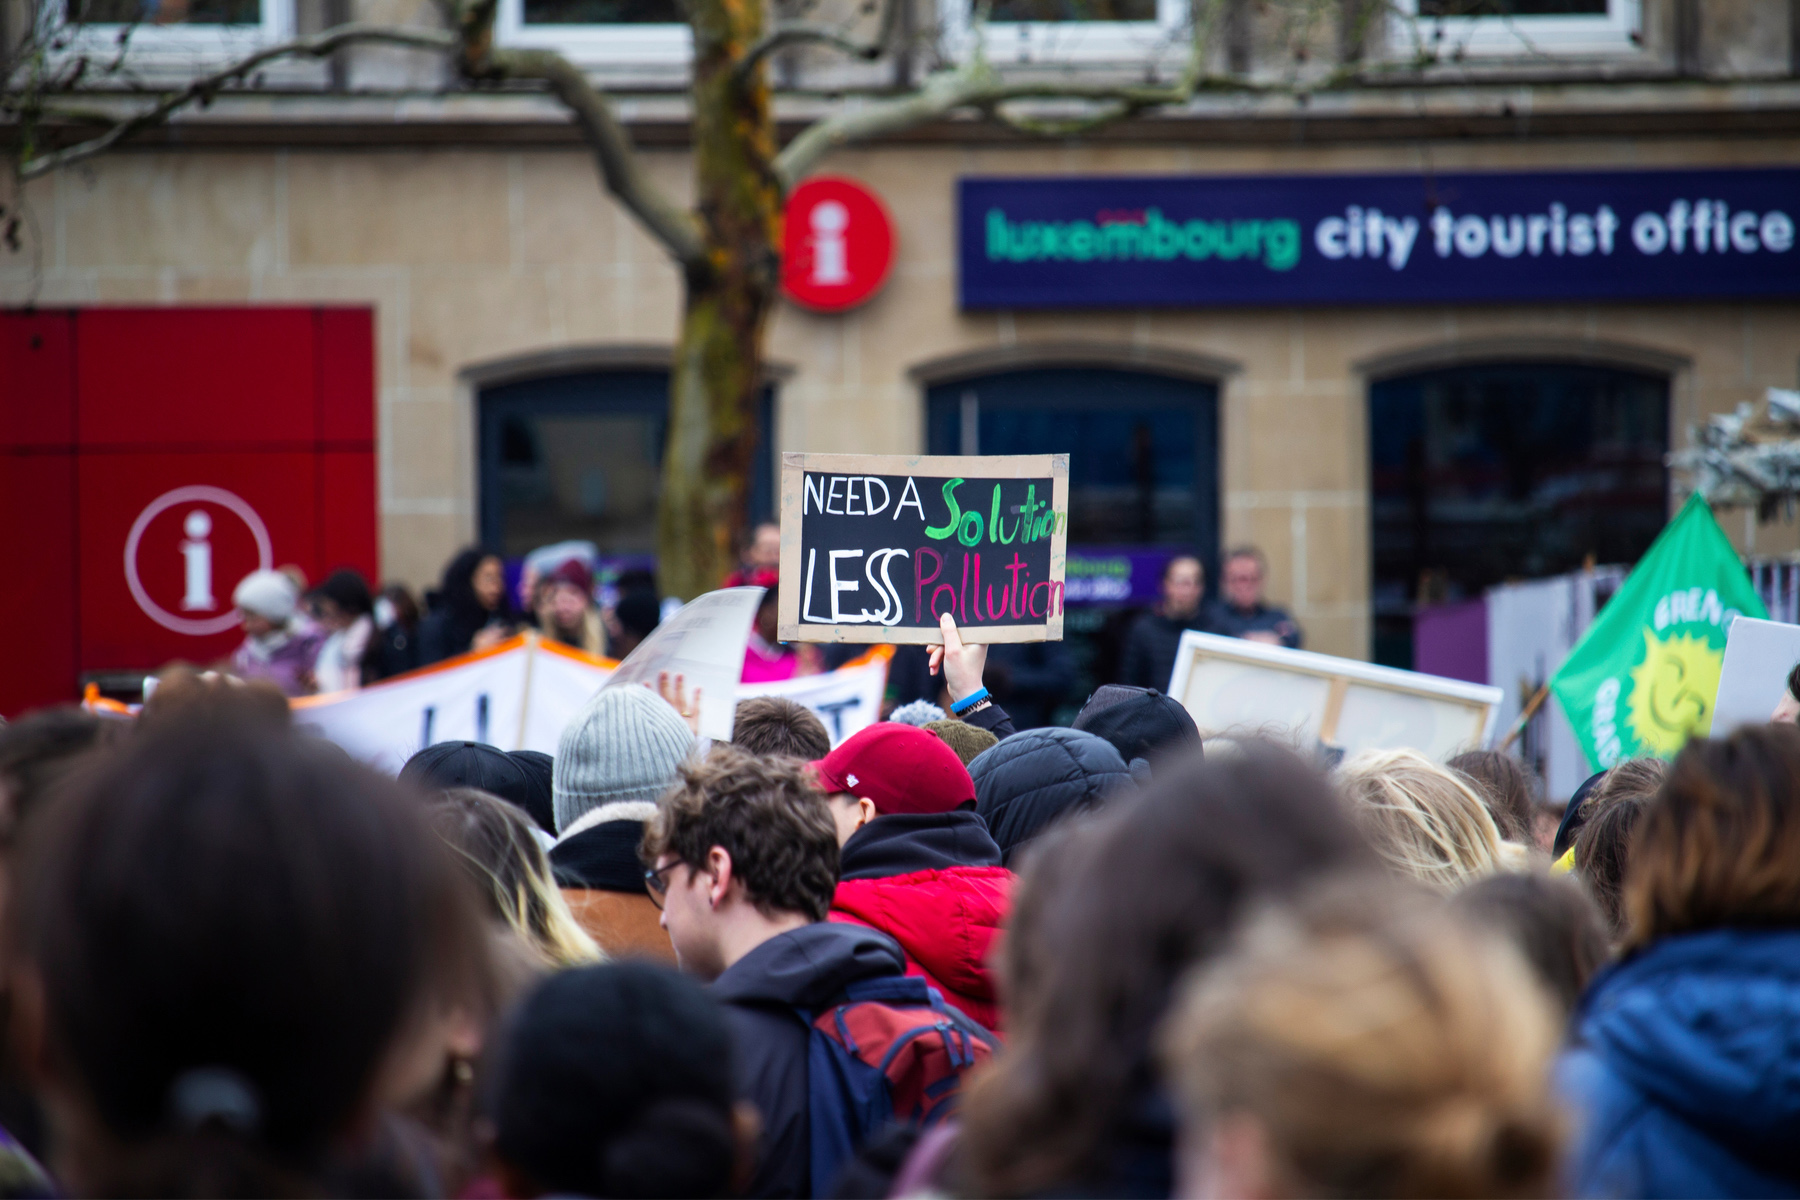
{"points": [[877, 548]]}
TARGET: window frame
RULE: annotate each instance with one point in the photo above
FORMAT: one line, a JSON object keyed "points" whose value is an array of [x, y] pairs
{"points": [[623, 43], [153, 45], [1024, 42], [1618, 32]]}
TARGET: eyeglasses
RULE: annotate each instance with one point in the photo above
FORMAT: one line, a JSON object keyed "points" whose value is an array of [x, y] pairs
{"points": [[656, 885]]}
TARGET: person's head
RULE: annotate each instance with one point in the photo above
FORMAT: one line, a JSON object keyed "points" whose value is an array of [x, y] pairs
{"points": [[1365, 1042], [1183, 582], [611, 1081], [1504, 787], [1551, 920], [1245, 571], [266, 602], [233, 941], [182, 692], [742, 848], [891, 768], [637, 613], [1787, 709], [520, 777], [775, 725], [1603, 854], [623, 747], [1426, 822], [342, 598], [768, 612], [37, 750], [510, 872], [763, 550], [968, 741], [1033, 779], [1139, 722], [1110, 914], [1718, 845], [396, 606], [570, 593], [474, 584]]}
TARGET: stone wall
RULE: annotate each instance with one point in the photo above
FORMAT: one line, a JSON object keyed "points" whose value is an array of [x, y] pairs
{"points": [[477, 258]]}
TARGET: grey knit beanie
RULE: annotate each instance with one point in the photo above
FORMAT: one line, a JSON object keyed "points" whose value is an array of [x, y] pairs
{"points": [[624, 745]]}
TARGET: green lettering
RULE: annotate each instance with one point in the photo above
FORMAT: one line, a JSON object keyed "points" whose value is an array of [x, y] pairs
{"points": [[996, 234], [968, 531], [940, 532], [1281, 245], [995, 533]]}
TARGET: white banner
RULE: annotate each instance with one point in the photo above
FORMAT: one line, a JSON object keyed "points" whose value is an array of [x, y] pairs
{"points": [[520, 694]]}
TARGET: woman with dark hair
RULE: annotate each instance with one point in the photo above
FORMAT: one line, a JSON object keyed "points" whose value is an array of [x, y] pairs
{"points": [[1504, 787], [231, 945], [472, 610], [345, 611], [1112, 910], [1684, 1069]]}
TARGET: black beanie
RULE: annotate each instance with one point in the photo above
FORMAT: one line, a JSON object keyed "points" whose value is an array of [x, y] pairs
{"points": [[615, 1080], [521, 778], [1139, 722]]}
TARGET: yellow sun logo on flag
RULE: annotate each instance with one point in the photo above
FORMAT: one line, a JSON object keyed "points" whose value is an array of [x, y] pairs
{"points": [[1672, 691]]}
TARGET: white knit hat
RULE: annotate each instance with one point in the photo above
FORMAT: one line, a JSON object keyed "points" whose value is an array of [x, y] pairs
{"points": [[624, 745], [269, 594]]}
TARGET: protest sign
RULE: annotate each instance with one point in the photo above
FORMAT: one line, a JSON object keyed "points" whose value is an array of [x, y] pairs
{"points": [[876, 548], [704, 643], [521, 694], [1758, 657], [1233, 686]]}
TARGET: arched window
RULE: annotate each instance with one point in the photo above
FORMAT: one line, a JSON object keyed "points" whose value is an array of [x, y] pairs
{"points": [[1483, 474]]}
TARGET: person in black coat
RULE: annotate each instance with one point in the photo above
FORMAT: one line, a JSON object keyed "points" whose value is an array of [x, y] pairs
{"points": [[472, 609], [1035, 778], [1148, 660]]}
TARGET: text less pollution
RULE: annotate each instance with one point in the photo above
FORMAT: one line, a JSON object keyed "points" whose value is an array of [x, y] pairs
{"points": [[1688, 226], [854, 496]]}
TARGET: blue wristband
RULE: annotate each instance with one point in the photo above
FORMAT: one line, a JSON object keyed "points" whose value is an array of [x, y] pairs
{"points": [[959, 707]]}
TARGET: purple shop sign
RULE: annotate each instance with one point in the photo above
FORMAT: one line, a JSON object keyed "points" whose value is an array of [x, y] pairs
{"points": [[1114, 575], [1189, 241]]}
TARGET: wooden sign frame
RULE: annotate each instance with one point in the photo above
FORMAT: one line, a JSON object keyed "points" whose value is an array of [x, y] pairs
{"points": [[794, 467]]}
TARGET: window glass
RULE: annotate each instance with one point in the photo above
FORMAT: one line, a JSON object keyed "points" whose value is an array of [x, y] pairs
{"points": [[166, 12], [602, 12], [1512, 8], [1484, 475], [1011, 11]]}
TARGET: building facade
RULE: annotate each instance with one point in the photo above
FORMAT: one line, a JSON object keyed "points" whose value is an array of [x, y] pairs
{"points": [[1382, 451]]}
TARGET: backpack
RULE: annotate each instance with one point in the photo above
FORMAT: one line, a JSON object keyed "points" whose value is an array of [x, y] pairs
{"points": [[889, 1051]]}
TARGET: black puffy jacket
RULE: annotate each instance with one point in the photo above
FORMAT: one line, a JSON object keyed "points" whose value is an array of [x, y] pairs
{"points": [[1036, 777]]}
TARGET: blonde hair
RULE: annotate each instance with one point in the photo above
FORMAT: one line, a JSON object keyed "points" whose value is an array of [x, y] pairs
{"points": [[1425, 821], [1383, 1046], [494, 842]]}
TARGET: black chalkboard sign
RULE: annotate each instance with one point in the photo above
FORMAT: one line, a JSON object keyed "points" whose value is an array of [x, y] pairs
{"points": [[874, 548]]}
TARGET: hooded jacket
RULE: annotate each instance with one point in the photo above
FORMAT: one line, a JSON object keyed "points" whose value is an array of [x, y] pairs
{"points": [[596, 864], [1684, 1070], [933, 882], [1035, 778], [806, 968]]}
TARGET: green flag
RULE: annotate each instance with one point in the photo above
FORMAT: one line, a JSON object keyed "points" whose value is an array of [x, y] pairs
{"points": [[1643, 678]]}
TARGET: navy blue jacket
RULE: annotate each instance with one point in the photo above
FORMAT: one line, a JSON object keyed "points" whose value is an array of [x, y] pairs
{"points": [[806, 968], [1684, 1070]]}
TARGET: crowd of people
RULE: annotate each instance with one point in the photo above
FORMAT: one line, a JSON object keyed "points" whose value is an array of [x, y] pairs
{"points": [[341, 635], [947, 958]]}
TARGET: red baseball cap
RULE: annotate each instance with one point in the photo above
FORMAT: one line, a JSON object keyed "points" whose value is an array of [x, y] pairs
{"points": [[900, 768]]}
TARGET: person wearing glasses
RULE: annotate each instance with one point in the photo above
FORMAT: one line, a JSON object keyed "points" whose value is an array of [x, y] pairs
{"points": [[743, 859]]}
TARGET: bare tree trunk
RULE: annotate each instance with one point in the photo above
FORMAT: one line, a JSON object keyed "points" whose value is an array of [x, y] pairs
{"points": [[717, 379]]}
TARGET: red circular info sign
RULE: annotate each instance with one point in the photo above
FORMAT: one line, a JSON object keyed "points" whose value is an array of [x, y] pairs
{"points": [[838, 244]]}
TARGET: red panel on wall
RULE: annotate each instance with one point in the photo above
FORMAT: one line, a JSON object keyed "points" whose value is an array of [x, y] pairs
{"points": [[37, 607], [166, 537], [346, 376], [37, 379], [346, 498], [185, 377]]}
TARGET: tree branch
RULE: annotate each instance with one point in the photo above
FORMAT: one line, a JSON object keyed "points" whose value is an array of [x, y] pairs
{"points": [[204, 89], [796, 33], [620, 168]]}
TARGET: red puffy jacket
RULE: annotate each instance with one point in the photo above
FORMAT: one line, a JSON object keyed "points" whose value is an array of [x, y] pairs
{"points": [[944, 913]]}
